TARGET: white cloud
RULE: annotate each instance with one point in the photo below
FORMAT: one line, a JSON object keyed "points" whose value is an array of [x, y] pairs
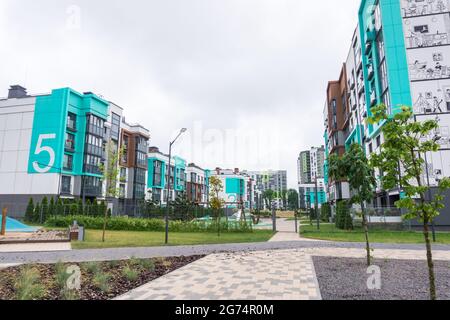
{"points": [[255, 68]]}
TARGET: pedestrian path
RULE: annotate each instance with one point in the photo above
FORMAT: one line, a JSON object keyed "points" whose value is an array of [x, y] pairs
{"points": [[263, 275]]}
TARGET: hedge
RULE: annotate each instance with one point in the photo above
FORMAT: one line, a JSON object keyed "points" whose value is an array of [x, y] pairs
{"points": [[139, 224]]}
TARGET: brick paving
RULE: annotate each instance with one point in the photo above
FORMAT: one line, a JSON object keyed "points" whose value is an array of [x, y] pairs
{"points": [[263, 275]]}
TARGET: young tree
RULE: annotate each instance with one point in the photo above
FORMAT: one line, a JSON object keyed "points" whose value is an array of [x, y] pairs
{"points": [[401, 164], [59, 210], [183, 206], [36, 213], [215, 201], [29, 213], [268, 196], [292, 197], [111, 173], [354, 167]]}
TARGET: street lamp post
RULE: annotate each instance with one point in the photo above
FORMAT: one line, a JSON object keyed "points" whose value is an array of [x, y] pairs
{"points": [[168, 183]]}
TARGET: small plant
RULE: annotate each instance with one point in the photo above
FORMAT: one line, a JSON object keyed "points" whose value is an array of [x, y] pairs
{"points": [[101, 281], [114, 264], [92, 267], [130, 274], [147, 264], [166, 263], [27, 286], [61, 275]]}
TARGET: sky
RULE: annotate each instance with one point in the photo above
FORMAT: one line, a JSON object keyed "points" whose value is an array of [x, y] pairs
{"points": [[247, 78]]}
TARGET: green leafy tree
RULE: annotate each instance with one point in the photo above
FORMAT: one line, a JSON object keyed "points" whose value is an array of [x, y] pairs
{"points": [[354, 167], [215, 201], [325, 212], [183, 206], [292, 197], [344, 220], [29, 213], [283, 195], [401, 164], [94, 208], [268, 196]]}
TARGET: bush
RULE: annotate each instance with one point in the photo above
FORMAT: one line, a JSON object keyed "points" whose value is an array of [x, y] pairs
{"points": [[325, 212], [29, 213], [44, 208], [130, 274], [138, 224], [344, 220]]}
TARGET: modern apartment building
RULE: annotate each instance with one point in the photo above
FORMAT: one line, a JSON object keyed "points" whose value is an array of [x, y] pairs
{"points": [[311, 164], [240, 188], [399, 56], [158, 175], [54, 145], [197, 184], [336, 113], [270, 180]]}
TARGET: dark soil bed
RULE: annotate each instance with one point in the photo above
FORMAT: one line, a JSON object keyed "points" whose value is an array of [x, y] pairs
{"points": [[117, 283], [346, 279]]}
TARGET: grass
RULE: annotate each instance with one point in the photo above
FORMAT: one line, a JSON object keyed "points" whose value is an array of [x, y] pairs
{"points": [[121, 239], [28, 286], [330, 232]]}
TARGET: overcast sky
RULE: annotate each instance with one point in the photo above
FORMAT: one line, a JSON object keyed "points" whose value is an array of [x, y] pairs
{"points": [[246, 77]]}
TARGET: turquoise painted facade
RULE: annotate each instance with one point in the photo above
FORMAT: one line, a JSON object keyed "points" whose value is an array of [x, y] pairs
{"points": [[50, 127], [179, 174], [235, 186], [321, 198], [394, 53], [354, 137]]}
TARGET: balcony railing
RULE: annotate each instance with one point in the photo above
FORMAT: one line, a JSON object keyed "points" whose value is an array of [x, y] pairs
{"points": [[71, 125]]}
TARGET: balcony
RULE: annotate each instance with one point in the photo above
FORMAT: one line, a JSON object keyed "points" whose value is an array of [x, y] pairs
{"points": [[69, 146], [93, 169], [71, 125], [92, 191]]}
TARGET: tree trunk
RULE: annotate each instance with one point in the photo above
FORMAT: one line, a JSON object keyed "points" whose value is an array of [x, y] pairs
{"points": [[432, 279], [366, 233], [104, 224]]}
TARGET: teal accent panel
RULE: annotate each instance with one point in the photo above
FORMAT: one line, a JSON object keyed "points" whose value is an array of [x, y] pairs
{"points": [[180, 169], [234, 186], [48, 134], [395, 55], [321, 197], [50, 126], [354, 137], [150, 173]]}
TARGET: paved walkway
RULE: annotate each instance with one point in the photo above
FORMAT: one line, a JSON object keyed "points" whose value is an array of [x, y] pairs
{"points": [[263, 275], [35, 247]]}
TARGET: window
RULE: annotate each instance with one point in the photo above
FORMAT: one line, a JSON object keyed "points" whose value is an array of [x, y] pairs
{"points": [[122, 191], [71, 121], [68, 162], [70, 142], [370, 148], [66, 185], [378, 141], [115, 126]]}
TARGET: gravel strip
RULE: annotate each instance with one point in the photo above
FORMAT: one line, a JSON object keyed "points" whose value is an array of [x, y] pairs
{"points": [[176, 251], [346, 279]]}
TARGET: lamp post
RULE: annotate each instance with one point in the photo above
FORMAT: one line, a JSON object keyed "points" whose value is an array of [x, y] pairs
{"points": [[168, 183]]}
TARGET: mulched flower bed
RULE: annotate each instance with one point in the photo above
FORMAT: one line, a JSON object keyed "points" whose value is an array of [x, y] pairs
{"points": [[117, 283]]}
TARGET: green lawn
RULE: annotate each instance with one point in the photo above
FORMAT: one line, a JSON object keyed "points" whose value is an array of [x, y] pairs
{"points": [[120, 239], [330, 232]]}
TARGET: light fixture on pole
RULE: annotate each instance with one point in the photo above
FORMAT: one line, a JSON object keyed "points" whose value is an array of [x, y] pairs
{"points": [[169, 183]]}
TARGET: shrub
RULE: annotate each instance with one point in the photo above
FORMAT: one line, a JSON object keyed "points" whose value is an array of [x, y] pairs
{"points": [[51, 207], [80, 208], [44, 209], [29, 213], [325, 212], [344, 220], [37, 213], [27, 286], [156, 225]]}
